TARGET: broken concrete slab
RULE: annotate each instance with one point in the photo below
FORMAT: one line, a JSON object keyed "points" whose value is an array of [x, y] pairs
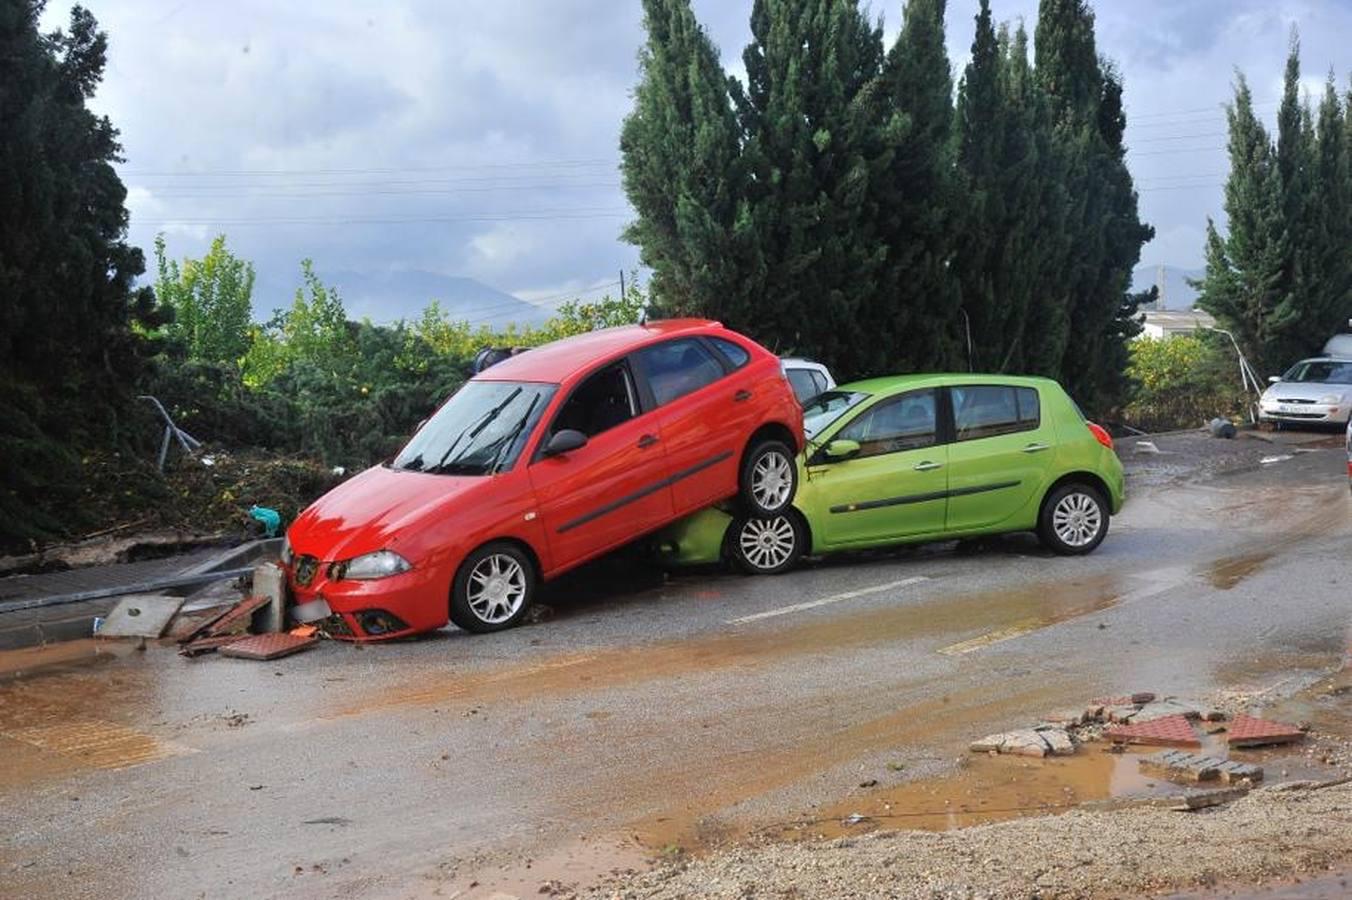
{"points": [[1042, 741], [268, 646], [1169, 706], [140, 615], [1170, 731], [1248, 731]]}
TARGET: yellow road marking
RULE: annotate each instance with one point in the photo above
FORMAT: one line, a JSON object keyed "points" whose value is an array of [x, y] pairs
{"points": [[1019, 628]]}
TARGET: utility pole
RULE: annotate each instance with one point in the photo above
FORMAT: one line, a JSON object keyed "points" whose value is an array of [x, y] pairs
{"points": [[621, 284]]}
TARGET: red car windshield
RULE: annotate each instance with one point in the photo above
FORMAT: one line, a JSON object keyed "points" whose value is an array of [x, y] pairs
{"points": [[479, 431]]}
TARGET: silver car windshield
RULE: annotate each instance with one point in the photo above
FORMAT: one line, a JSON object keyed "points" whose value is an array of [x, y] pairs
{"points": [[479, 431], [827, 407], [1320, 371]]}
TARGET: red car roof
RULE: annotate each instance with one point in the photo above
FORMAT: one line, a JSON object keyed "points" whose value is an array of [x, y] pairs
{"points": [[556, 361]]}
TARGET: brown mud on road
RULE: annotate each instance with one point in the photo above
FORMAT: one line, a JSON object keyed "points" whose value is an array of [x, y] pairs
{"points": [[67, 721], [1028, 607]]}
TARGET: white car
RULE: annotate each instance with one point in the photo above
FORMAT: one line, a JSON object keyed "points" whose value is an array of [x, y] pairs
{"points": [[1313, 391], [807, 378]]}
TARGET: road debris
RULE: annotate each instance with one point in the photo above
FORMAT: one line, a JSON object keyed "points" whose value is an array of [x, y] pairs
{"points": [[1247, 731], [1177, 765], [1269, 460], [140, 615], [1168, 731], [268, 646], [1045, 740]]}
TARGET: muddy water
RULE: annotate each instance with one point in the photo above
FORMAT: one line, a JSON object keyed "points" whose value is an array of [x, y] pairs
{"points": [[1023, 609], [70, 720], [986, 789]]}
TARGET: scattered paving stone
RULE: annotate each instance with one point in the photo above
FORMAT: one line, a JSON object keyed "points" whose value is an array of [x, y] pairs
{"points": [[1247, 731], [1233, 772], [1169, 731], [1180, 766]]}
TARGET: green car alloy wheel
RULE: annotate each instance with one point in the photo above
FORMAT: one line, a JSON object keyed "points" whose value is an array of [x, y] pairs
{"points": [[917, 458]]}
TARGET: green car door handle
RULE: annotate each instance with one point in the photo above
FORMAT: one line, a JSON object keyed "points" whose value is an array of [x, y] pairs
{"points": [[928, 466], [1035, 448]]}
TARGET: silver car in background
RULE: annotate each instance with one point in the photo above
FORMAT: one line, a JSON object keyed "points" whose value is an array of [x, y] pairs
{"points": [[807, 378], [1312, 392]]}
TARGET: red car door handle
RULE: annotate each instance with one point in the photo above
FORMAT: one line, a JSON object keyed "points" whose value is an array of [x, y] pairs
{"points": [[646, 441], [742, 395]]}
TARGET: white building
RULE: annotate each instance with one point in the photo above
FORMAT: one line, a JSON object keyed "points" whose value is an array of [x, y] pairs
{"points": [[1166, 323]]}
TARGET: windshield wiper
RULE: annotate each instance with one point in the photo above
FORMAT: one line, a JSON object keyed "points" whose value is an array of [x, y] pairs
{"points": [[484, 421], [512, 435]]}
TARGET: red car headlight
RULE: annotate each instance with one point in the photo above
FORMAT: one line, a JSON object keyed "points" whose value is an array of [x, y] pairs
{"points": [[370, 566]]}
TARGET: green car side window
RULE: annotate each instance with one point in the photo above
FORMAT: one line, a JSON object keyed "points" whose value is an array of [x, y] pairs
{"points": [[982, 411], [908, 422]]}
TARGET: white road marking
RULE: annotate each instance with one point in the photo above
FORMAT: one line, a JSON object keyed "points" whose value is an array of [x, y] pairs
{"points": [[827, 601]]}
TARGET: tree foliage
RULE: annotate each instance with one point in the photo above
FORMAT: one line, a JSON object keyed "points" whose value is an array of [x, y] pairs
{"points": [[211, 299], [866, 219], [69, 356], [1280, 276]]}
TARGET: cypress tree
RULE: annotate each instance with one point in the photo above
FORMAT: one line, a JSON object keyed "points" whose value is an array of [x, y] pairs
{"points": [[68, 355], [682, 171], [810, 119], [1295, 158], [917, 306], [1242, 286], [1086, 96], [1331, 218], [1013, 230]]}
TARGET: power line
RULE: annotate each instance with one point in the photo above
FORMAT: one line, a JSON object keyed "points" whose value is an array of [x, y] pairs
{"points": [[194, 194], [237, 173], [1179, 137], [542, 216]]}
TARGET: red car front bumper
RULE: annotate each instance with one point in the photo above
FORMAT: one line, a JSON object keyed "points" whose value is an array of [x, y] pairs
{"points": [[377, 610]]}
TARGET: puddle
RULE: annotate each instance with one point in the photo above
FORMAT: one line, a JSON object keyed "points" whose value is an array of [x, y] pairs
{"points": [[987, 789], [64, 655], [60, 722], [1022, 609]]}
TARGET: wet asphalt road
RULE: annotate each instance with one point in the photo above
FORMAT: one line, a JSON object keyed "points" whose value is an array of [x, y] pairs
{"points": [[677, 710]]}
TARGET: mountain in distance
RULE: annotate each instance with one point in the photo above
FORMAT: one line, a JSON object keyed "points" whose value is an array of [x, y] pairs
{"points": [[1177, 293], [387, 297]]}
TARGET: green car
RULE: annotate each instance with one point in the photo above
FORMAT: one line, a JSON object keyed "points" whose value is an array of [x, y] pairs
{"points": [[916, 458]]}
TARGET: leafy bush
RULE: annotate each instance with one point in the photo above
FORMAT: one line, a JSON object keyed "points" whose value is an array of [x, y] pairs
{"points": [[1182, 382]]}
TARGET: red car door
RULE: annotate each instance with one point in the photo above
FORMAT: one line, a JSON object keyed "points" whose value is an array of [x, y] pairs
{"points": [[703, 413], [614, 488]]}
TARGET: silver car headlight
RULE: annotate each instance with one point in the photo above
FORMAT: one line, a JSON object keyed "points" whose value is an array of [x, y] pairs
{"points": [[286, 554], [1331, 399], [370, 566]]}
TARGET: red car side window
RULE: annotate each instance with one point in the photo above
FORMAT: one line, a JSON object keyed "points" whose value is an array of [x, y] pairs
{"points": [[676, 368]]}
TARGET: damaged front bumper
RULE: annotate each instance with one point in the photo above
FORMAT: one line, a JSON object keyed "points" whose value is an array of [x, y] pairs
{"points": [[376, 610]]}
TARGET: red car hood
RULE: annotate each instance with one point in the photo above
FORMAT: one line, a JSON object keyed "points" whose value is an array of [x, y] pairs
{"points": [[378, 509]]}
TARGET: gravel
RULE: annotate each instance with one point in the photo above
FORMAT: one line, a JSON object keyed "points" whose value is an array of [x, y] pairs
{"points": [[1276, 832]]}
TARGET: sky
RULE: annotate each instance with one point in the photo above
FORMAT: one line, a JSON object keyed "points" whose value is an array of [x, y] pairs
{"points": [[479, 138]]}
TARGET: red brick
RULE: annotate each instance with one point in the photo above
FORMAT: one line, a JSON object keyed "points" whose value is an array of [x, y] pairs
{"points": [[1170, 731], [1246, 731]]}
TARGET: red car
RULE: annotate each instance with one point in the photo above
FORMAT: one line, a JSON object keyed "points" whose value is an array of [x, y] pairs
{"points": [[540, 463]]}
